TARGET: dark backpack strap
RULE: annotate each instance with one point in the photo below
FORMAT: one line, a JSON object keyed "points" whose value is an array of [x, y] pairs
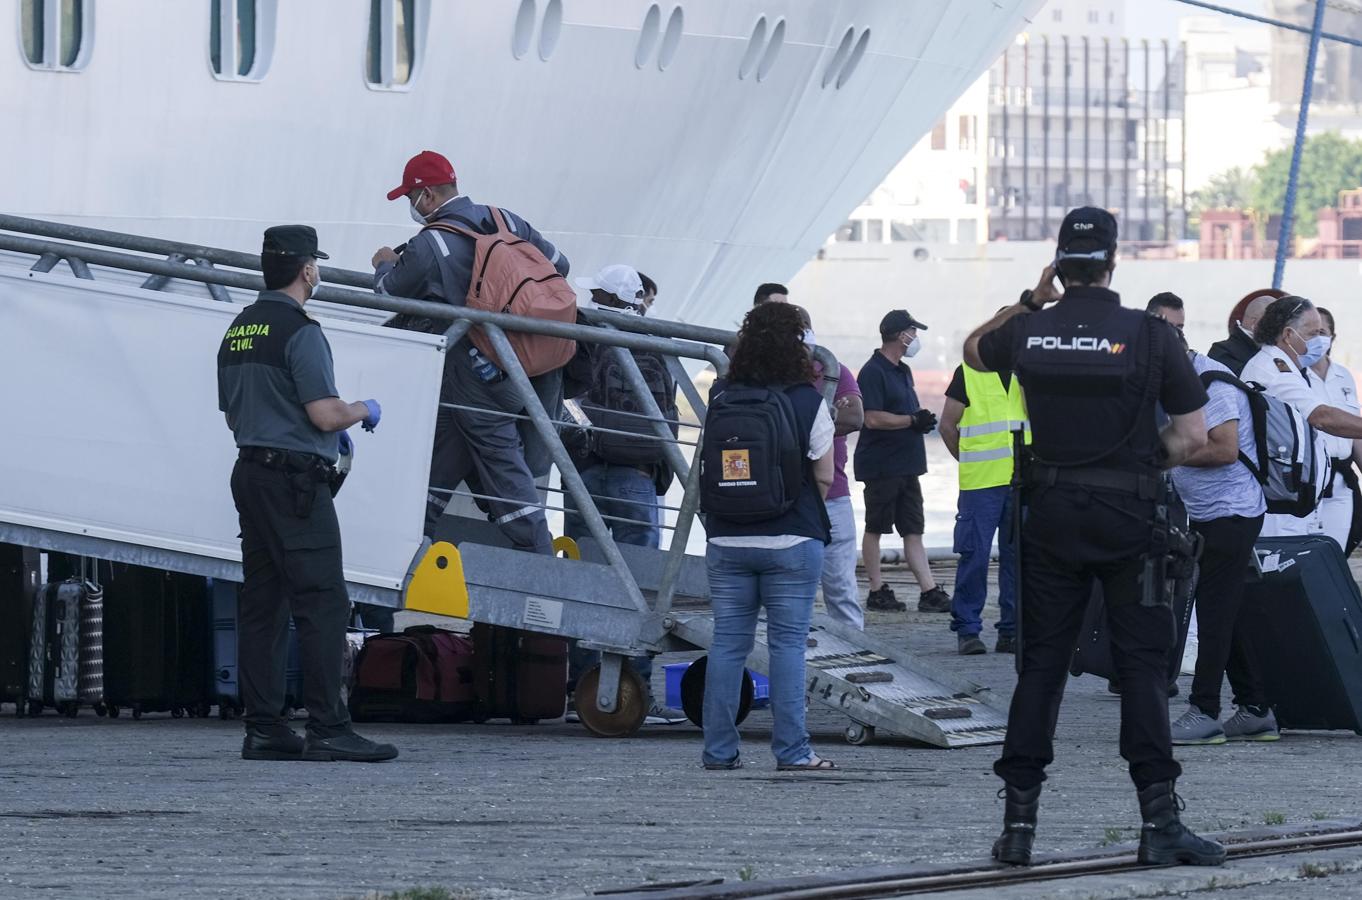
{"points": [[1255, 396]]}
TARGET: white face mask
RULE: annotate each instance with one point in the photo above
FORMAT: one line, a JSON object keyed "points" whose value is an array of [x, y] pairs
{"points": [[416, 216], [314, 286], [809, 339], [913, 347]]}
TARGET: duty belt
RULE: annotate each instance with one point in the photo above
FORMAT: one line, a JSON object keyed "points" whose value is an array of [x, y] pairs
{"points": [[294, 461], [1145, 487]]}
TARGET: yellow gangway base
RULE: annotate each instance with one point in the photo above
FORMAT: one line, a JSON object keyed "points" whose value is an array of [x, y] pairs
{"points": [[438, 585]]}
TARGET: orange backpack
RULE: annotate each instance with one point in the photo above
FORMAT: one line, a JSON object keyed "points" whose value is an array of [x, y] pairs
{"points": [[511, 275]]}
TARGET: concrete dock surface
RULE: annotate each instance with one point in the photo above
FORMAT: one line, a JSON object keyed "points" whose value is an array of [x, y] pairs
{"points": [[165, 807]]}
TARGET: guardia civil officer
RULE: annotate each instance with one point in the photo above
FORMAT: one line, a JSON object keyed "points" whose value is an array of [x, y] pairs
{"points": [[1093, 372], [278, 390]]}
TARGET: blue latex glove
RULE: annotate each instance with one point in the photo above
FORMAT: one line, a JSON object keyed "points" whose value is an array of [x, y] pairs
{"points": [[347, 446], [375, 413]]}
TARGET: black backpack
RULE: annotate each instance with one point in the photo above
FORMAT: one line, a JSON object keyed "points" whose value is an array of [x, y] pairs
{"points": [[752, 455], [612, 404]]}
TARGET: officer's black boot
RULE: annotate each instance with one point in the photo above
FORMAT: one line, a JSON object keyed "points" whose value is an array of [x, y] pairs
{"points": [[275, 742], [1164, 840], [1013, 846]]}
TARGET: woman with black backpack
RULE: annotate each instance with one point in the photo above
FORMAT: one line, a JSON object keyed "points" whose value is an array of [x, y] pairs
{"points": [[766, 464]]}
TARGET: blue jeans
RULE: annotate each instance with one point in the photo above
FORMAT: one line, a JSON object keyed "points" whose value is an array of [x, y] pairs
{"points": [[628, 493], [741, 581], [980, 514], [621, 491]]}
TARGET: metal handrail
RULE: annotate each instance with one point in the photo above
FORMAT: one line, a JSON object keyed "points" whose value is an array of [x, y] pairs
{"points": [[673, 340], [164, 247], [368, 300]]}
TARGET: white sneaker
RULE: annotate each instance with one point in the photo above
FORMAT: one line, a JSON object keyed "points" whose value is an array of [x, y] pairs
{"points": [[1189, 657]]}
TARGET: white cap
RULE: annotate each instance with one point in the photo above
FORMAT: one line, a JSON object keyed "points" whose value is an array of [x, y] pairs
{"points": [[621, 282]]}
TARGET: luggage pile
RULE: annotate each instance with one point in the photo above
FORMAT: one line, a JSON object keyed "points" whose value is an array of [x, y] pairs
{"points": [[428, 674], [85, 634]]}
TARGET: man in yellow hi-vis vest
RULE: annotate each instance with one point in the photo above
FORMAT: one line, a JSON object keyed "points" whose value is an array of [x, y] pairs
{"points": [[982, 411]]}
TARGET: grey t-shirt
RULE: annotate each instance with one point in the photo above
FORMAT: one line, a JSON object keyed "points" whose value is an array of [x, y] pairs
{"points": [[273, 360], [1229, 490]]}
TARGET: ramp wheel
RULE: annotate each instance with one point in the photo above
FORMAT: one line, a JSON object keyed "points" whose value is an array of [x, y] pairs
{"points": [[631, 708], [857, 734], [693, 693]]}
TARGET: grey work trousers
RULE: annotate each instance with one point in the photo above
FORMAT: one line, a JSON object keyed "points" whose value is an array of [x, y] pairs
{"points": [[485, 450]]}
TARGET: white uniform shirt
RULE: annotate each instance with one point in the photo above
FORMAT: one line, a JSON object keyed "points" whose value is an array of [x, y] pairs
{"points": [[1283, 379], [1339, 388]]}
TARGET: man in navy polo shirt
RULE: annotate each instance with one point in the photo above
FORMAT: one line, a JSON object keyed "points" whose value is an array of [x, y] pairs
{"points": [[891, 455]]}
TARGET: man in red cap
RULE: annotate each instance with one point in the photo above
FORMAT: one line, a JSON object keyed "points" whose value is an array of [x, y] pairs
{"points": [[484, 448]]}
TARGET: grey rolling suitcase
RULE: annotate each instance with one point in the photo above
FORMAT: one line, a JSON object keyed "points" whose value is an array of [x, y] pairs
{"points": [[54, 648]]}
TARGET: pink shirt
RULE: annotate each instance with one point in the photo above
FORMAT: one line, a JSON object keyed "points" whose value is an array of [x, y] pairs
{"points": [[846, 387]]}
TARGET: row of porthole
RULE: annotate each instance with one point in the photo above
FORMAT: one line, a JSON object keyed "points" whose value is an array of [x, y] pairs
{"points": [[657, 42]]}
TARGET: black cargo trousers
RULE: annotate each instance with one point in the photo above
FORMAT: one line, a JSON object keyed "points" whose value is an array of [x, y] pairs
{"points": [[291, 557], [1072, 536]]}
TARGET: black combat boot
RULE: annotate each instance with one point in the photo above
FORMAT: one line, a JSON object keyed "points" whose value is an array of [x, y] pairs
{"points": [[1013, 846], [1164, 840]]}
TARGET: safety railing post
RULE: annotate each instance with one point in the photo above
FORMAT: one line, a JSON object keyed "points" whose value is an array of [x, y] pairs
{"points": [[685, 518], [46, 263], [639, 385], [572, 480], [216, 291], [688, 388]]}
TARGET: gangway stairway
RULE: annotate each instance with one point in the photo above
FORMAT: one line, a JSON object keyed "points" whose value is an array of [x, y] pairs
{"points": [[118, 452]]}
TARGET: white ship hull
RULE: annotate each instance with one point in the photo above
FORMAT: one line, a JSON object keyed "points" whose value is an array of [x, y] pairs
{"points": [[708, 182]]}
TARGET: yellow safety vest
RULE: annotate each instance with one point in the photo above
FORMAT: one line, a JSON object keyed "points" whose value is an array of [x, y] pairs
{"points": [[986, 429]]}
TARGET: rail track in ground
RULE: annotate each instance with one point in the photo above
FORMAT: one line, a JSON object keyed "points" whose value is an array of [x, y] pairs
{"points": [[888, 881]]}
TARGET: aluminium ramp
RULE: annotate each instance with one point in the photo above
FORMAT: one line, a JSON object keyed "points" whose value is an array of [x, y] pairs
{"points": [[879, 687]]}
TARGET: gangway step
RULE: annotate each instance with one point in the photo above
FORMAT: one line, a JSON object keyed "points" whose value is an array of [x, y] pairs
{"points": [[878, 687]]}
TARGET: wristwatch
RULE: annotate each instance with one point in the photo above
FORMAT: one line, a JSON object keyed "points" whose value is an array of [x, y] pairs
{"points": [[1026, 301]]}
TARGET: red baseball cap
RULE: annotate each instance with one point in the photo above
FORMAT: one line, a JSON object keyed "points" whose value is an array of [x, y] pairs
{"points": [[423, 170]]}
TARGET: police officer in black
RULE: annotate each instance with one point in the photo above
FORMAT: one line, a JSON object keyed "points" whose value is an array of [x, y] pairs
{"points": [[1093, 373], [277, 388]]}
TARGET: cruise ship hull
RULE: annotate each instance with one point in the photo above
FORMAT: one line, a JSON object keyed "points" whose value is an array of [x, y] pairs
{"points": [[707, 181]]}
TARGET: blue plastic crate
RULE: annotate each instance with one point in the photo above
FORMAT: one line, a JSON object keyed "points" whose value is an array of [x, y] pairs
{"points": [[761, 696]]}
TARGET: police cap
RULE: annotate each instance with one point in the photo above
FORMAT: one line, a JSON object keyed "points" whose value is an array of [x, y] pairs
{"points": [[291, 240], [896, 321], [1087, 233]]}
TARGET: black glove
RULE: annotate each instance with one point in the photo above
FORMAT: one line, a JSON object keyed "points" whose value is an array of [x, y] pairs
{"points": [[924, 420]]}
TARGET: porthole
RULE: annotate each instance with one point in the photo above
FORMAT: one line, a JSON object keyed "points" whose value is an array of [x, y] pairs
{"points": [[647, 37], [55, 34], [839, 58], [854, 60], [523, 35], [397, 37], [671, 39], [773, 48], [551, 29], [755, 44]]}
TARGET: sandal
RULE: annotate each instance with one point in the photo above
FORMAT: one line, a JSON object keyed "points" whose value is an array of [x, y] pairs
{"points": [[813, 764], [734, 763]]}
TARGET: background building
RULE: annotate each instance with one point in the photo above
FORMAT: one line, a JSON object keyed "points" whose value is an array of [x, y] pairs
{"points": [[1076, 111], [1082, 113]]}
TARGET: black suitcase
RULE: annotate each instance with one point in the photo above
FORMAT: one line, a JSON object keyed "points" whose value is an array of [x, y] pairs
{"points": [[18, 585], [1303, 622], [157, 642], [54, 648], [1092, 656]]}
